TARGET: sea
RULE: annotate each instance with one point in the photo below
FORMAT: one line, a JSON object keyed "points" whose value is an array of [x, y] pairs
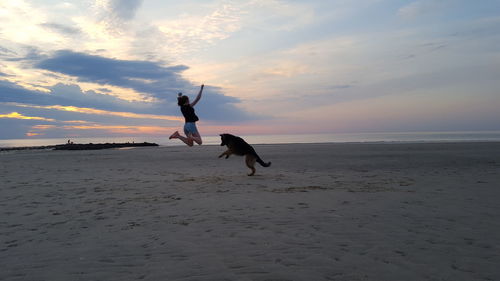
{"points": [[408, 137]]}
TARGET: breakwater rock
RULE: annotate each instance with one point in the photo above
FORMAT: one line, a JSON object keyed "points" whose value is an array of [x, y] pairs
{"points": [[93, 146], [81, 146]]}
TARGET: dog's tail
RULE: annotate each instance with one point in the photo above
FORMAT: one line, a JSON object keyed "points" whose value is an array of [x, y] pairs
{"points": [[264, 164]]}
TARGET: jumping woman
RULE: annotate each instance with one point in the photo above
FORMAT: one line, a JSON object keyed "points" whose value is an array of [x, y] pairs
{"points": [[190, 119]]}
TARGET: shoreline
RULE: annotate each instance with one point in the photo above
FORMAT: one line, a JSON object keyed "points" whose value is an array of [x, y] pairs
{"points": [[51, 147]]}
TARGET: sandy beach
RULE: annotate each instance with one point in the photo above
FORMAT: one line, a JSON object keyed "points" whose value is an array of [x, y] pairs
{"points": [[320, 212]]}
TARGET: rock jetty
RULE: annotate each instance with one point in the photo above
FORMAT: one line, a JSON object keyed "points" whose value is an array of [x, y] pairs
{"points": [[78, 146]]}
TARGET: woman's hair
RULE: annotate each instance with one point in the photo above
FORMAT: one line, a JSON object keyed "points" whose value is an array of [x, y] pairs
{"points": [[181, 100]]}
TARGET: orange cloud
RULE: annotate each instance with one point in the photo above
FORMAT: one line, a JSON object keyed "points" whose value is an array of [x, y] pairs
{"points": [[17, 115], [43, 127], [76, 122]]}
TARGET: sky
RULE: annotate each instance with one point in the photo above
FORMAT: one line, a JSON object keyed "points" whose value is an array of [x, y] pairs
{"points": [[99, 68]]}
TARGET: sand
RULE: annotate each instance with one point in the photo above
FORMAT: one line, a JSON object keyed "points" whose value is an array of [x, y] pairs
{"points": [[320, 212]]}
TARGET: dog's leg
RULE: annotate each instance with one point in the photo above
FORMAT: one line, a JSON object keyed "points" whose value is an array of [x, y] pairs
{"points": [[250, 161], [227, 153]]}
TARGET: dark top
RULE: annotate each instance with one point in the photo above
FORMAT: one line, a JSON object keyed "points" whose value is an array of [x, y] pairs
{"points": [[188, 112]]}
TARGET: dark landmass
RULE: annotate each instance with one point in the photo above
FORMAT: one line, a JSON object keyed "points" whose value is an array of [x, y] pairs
{"points": [[27, 147], [77, 146]]}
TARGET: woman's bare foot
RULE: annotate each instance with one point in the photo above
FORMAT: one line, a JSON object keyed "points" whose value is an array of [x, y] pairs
{"points": [[174, 135]]}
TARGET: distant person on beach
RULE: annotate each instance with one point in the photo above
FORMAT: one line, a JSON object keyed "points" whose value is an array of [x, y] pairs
{"points": [[190, 119]]}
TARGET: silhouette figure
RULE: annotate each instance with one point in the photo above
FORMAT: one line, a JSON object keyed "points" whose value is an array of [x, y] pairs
{"points": [[190, 118]]}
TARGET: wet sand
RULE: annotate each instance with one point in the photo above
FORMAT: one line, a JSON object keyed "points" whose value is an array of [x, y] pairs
{"points": [[320, 212]]}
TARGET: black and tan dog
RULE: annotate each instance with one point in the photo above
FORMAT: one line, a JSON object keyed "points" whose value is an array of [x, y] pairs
{"points": [[236, 145]]}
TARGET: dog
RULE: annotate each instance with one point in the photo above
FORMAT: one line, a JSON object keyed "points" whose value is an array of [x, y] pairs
{"points": [[236, 145]]}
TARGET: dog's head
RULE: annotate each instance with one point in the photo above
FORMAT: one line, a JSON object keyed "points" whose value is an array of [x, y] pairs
{"points": [[223, 139], [226, 139]]}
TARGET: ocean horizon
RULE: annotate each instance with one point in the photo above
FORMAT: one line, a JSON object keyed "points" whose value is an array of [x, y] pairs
{"points": [[394, 137]]}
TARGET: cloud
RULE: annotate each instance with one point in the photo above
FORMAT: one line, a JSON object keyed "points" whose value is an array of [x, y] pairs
{"points": [[69, 103], [21, 25], [142, 76], [14, 93], [14, 128], [72, 94], [17, 115], [420, 8], [151, 78], [61, 28], [66, 95], [114, 14], [73, 103], [119, 9], [29, 53], [282, 16], [199, 29], [86, 110], [189, 33], [6, 52]]}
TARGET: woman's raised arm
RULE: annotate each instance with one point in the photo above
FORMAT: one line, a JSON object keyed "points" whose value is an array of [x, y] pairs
{"points": [[198, 97]]}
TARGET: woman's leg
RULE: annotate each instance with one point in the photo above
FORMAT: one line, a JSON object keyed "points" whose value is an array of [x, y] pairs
{"points": [[196, 137], [186, 140], [192, 132]]}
